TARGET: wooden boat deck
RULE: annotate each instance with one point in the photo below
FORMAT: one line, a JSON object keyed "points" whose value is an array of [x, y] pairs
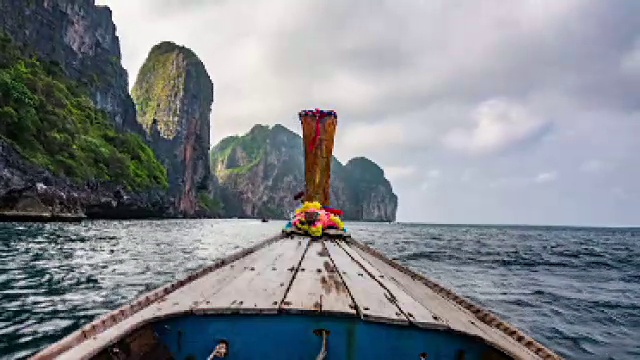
{"points": [[298, 275]]}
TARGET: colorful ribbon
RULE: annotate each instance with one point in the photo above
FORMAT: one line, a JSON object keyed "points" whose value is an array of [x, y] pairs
{"points": [[333, 211], [319, 116]]}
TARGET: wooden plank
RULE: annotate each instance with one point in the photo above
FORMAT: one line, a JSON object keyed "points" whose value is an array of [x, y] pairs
{"points": [[192, 295], [414, 310], [317, 287], [259, 286], [168, 300], [189, 296], [183, 300], [335, 233], [373, 301], [451, 313]]}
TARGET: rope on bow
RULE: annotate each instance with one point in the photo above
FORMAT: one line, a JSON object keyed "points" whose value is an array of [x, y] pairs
{"points": [[323, 350], [319, 116]]}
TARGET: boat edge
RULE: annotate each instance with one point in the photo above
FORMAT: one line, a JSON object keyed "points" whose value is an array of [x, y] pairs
{"points": [[114, 317], [485, 316], [108, 320]]}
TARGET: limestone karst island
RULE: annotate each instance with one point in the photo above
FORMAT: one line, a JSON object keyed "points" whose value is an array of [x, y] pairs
{"points": [[75, 143]]}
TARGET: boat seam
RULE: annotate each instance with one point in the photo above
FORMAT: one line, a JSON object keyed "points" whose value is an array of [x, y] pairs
{"points": [[487, 317], [355, 303], [111, 319], [378, 281], [295, 274]]}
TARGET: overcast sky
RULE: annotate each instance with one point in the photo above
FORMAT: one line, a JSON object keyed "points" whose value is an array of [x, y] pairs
{"points": [[489, 111]]}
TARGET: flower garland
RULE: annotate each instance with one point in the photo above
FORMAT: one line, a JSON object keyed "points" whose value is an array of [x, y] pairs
{"points": [[313, 218]]}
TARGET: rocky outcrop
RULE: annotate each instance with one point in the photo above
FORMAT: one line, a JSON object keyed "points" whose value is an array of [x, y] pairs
{"points": [[81, 38], [259, 172], [369, 194], [80, 123], [27, 188], [173, 95]]}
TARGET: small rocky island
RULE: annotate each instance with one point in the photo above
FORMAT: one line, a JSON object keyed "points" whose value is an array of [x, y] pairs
{"points": [[74, 143], [259, 173]]}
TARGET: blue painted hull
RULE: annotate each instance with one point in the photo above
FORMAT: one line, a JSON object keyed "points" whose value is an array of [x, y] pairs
{"points": [[291, 337], [269, 301]]}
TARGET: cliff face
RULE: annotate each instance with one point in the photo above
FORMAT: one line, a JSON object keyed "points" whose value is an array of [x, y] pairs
{"points": [[81, 38], [28, 188], [369, 194], [173, 95], [259, 173], [64, 107]]}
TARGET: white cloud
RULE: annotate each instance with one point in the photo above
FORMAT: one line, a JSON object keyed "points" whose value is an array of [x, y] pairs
{"points": [[497, 125], [630, 63], [546, 177], [618, 192], [509, 181], [431, 179], [523, 181], [593, 166], [357, 138], [434, 174], [424, 85], [467, 175], [395, 173]]}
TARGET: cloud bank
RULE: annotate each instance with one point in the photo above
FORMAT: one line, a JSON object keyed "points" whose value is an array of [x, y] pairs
{"points": [[529, 110]]}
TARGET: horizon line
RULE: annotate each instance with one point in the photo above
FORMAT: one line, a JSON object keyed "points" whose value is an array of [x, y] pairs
{"points": [[601, 226]]}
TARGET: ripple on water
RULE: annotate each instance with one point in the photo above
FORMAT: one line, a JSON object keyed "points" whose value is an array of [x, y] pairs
{"points": [[575, 290]]}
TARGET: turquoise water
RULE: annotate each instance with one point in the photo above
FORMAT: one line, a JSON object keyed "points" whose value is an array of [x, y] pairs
{"points": [[576, 290]]}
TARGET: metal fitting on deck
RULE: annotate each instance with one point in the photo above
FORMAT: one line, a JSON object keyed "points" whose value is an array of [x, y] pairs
{"points": [[221, 351], [323, 350]]}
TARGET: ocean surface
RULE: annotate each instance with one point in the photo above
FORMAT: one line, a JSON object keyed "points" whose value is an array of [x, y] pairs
{"points": [[576, 290]]}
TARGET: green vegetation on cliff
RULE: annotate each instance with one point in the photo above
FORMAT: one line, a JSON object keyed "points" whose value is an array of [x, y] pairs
{"points": [[53, 123], [212, 205], [162, 82], [241, 153], [156, 82]]}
